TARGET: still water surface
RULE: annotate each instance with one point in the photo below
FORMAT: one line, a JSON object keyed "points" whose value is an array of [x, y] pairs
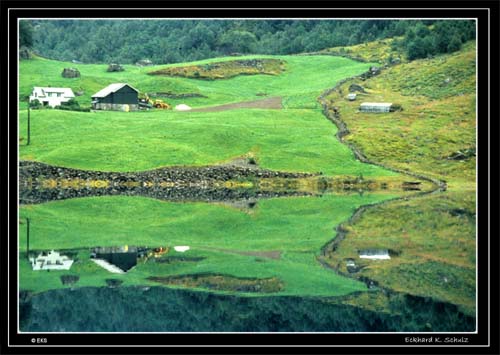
{"points": [[221, 259]]}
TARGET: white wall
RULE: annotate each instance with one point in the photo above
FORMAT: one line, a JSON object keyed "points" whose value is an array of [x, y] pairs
{"points": [[52, 101]]}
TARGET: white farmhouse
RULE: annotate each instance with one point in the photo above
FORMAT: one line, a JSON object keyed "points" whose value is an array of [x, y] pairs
{"points": [[51, 96], [52, 260]]}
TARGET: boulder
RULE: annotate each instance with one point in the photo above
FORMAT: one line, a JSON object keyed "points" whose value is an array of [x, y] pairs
{"points": [[396, 61], [374, 70], [69, 279], [356, 87], [24, 53], [144, 62], [115, 67], [70, 73]]}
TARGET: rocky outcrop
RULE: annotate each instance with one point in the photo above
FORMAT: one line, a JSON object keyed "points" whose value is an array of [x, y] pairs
{"points": [[356, 87], [70, 73], [24, 53], [113, 67], [144, 62]]}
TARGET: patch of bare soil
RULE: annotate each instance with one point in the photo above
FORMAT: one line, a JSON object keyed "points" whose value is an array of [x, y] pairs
{"points": [[271, 254], [274, 103], [225, 70]]}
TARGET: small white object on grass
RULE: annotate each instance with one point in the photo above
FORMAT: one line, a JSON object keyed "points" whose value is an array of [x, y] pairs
{"points": [[181, 248], [182, 107]]}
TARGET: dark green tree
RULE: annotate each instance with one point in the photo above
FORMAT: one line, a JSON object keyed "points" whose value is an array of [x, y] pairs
{"points": [[454, 45], [25, 34]]}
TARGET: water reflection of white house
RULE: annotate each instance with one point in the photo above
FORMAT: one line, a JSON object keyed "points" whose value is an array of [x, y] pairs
{"points": [[379, 254], [51, 260]]}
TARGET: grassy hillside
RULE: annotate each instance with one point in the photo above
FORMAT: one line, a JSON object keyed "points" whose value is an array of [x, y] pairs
{"points": [[297, 228], [438, 118], [297, 138], [290, 140], [380, 51], [435, 235], [303, 80]]}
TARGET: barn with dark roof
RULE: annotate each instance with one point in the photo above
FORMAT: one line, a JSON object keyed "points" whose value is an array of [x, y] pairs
{"points": [[118, 97]]}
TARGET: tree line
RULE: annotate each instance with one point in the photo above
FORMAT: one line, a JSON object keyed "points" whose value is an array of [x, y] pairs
{"points": [[421, 41], [172, 41], [157, 309]]}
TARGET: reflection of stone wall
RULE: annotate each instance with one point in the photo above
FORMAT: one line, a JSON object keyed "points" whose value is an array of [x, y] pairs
{"points": [[116, 107], [173, 183]]}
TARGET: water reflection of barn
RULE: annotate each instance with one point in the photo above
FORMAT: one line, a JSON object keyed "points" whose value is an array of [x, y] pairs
{"points": [[125, 257]]}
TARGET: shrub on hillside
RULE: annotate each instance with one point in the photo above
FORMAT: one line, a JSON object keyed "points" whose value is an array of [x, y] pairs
{"points": [[35, 104], [72, 105]]}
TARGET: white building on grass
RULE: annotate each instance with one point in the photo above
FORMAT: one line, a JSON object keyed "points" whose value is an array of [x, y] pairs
{"points": [[51, 96]]}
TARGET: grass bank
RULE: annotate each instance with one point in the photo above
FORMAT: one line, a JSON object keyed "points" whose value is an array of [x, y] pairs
{"points": [[436, 243]]}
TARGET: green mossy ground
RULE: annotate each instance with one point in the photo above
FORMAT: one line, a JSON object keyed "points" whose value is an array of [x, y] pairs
{"points": [[437, 240]]}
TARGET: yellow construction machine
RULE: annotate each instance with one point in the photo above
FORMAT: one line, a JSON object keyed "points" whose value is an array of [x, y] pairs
{"points": [[147, 102]]}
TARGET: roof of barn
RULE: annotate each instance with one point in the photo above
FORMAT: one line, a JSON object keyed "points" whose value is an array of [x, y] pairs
{"points": [[111, 89]]}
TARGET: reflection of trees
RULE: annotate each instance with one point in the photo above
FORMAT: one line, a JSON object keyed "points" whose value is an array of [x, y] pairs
{"points": [[161, 309]]}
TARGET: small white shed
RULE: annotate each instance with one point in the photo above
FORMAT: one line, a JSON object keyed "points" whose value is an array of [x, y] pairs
{"points": [[182, 107], [351, 97], [375, 107], [375, 254]]}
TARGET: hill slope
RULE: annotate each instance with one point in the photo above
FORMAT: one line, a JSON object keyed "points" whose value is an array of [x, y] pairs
{"points": [[434, 135], [296, 138]]}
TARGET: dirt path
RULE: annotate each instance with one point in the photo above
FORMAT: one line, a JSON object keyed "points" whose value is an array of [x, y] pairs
{"points": [[272, 254], [274, 103]]}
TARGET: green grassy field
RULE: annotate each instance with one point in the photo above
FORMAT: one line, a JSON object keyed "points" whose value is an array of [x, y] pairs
{"points": [[301, 83], [297, 227], [297, 138], [290, 140]]}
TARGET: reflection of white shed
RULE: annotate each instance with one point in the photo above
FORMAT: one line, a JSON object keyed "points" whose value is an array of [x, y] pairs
{"points": [[51, 96], [52, 260], [375, 107]]}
